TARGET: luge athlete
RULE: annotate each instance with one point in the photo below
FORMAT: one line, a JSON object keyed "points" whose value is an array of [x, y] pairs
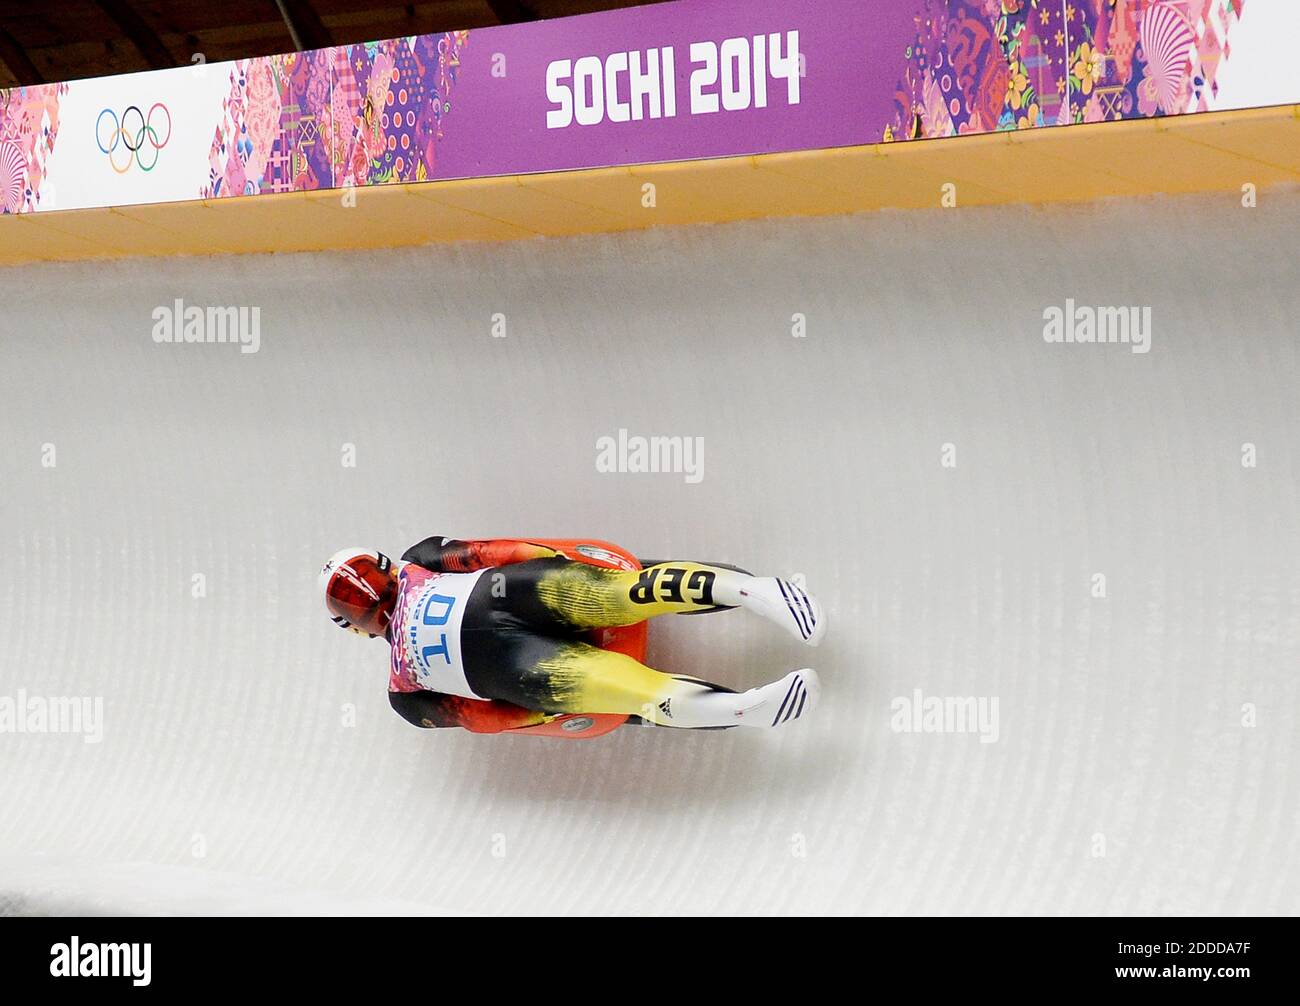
{"points": [[501, 622]]}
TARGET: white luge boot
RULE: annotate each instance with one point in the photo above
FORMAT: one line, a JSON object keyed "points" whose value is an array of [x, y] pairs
{"points": [[697, 704], [781, 601], [780, 702]]}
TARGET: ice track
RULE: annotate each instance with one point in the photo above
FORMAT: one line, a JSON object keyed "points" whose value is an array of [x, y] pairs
{"points": [[232, 778]]}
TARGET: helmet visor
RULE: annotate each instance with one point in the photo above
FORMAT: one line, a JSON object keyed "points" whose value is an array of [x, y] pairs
{"points": [[364, 594]]}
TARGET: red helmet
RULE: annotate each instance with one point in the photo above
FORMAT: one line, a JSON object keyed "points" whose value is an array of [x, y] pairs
{"points": [[360, 588]]}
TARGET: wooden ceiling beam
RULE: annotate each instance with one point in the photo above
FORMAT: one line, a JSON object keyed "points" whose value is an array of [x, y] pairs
{"points": [[512, 11], [138, 33], [16, 60], [306, 28]]}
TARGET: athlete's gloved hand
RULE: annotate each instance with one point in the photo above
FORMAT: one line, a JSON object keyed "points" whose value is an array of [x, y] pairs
{"points": [[481, 716], [450, 555]]}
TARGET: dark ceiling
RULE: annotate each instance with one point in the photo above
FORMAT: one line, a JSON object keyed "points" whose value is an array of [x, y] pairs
{"points": [[50, 40]]}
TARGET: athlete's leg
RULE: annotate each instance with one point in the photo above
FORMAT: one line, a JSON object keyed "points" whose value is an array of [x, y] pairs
{"points": [[558, 595], [570, 676]]}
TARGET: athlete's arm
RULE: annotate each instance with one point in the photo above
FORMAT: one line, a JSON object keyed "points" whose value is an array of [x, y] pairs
{"points": [[433, 709], [449, 555]]}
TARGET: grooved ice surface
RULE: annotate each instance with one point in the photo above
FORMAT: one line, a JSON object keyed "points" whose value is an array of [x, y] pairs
{"points": [[226, 779]]}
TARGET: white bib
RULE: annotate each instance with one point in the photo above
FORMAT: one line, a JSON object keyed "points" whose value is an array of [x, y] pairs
{"points": [[431, 633]]}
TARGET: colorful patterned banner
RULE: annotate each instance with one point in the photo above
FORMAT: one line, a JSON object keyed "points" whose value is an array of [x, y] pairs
{"points": [[978, 66], [675, 81]]}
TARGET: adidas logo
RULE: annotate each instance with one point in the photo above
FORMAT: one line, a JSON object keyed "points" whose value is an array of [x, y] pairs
{"points": [[792, 704], [665, 707], [800, 607]]}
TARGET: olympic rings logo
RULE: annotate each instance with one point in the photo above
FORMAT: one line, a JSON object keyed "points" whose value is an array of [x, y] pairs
{"points": [[136, 136]]}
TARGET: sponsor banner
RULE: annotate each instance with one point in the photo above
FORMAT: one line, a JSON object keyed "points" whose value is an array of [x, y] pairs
{"points": [[674, 81]]}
